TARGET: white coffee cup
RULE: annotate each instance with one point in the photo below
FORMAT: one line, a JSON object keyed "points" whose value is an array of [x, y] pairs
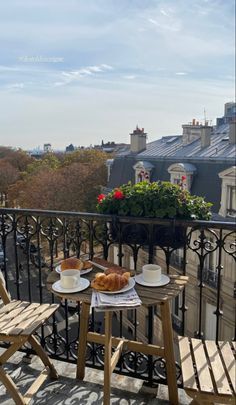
{"points": [[151, 273], [70, 279]]}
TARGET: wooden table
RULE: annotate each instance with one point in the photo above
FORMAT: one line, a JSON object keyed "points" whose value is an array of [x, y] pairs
{"points": [[149, 296]]}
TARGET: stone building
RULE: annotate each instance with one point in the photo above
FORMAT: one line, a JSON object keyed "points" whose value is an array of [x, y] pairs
{"points": [[204, 156]]}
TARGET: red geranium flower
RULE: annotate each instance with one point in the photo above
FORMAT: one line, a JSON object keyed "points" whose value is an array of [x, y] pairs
{"points": [[183, 178], [118, 195], [100, 198]]}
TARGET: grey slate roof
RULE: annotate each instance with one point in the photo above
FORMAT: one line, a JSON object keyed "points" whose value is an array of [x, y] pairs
{"points": [[171, 146]]}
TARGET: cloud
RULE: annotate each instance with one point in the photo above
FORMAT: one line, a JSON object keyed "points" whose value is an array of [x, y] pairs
{"points": [[129, 77], [164, 13], [73, 76], [15, 86], [181, 73]]}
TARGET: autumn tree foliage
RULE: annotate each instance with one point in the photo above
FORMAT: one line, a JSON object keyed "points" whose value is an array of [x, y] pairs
{"points": [[17, 158], [8, 176], [69, 184]]}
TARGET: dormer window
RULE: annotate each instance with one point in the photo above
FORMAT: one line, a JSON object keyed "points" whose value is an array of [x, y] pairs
{"points": [[143, 171], [228, 192], [231, 209], [182, 174]]}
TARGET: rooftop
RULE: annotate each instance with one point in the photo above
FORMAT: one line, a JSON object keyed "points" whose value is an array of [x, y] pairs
{"points": [[172, 147]]}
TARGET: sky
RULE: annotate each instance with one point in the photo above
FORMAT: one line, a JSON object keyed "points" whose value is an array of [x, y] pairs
{"points": [[83, 71]]}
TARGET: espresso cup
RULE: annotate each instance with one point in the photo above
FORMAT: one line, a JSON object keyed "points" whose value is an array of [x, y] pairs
{"points": [[151, 273], [70, 279]]}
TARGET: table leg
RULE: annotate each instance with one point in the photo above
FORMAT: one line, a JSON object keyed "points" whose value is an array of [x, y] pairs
{"points": [[83, 330], [107, 358], [169, 352]]}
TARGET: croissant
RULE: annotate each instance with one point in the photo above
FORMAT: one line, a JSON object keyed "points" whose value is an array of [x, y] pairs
{"points": [[110, 282]]}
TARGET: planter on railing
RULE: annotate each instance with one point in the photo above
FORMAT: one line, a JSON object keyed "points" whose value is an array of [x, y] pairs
{"points": [[163, 236]]}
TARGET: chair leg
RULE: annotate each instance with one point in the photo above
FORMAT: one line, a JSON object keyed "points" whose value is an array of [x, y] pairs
{"points": [[43, 356], [10, 351], [11, 388]]}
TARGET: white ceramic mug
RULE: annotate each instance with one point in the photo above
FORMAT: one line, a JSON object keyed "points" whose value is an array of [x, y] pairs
{"points": [[70, 279], [151, 273]]}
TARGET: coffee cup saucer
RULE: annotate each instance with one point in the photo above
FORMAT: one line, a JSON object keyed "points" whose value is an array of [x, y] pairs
{"points": [[163, 281], [84, 283]]}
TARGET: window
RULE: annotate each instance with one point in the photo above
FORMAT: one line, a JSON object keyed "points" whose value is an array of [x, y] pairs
{"points": [[177, 314], [182, 174], [231, 201], [143, 171], [176, 305], [177, 258], [228, 192], [210, 272]]}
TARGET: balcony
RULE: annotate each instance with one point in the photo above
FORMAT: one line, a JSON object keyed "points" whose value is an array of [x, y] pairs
{"points": [[61, 234]]}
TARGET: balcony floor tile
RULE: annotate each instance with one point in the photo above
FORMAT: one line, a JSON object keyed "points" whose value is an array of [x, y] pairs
{"points": [[68, 391]]}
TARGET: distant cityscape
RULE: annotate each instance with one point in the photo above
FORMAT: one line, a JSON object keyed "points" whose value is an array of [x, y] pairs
{"points": [[113, 147]]}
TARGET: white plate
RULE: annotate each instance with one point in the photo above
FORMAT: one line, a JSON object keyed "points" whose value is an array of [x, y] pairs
{"points": [[82, 272], [164, 280], [84, 283], [128, 287]]}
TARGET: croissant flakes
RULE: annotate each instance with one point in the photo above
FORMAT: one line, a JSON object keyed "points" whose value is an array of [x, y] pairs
{"points": [[110, 282]]}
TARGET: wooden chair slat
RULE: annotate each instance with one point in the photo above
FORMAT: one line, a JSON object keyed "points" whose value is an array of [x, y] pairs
{"points": [[40, 320], [229, 360], [202, 369], [29, 315], [221, 382], [188, 374], [214, 367], [7, 329], [9, 307], [30, 319], [12, 314]]}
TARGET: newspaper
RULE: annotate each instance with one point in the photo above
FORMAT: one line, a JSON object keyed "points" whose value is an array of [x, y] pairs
{"points": [[114, 302]]}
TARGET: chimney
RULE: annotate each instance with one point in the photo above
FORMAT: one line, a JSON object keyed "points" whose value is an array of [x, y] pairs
{"points": [[232, 132], [205, 136], [138, 140]]}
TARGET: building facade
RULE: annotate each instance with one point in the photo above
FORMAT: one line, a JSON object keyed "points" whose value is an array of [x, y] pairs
{"points": [[202, 160]]}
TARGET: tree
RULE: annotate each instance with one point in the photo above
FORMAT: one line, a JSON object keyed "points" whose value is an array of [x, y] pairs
{"points": [[17, 158], [8, 176], [72, 186]]}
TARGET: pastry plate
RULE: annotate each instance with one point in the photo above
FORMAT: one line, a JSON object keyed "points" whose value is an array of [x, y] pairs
{"points": [[82, 272], [128, 287], [84, 283], [164, 280]]}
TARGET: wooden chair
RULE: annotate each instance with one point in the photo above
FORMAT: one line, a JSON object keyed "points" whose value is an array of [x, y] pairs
{"points": [[208, 370], [18, 321]]}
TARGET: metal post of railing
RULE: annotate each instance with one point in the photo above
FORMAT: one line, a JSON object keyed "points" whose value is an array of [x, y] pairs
{"points": [[218, 311]]}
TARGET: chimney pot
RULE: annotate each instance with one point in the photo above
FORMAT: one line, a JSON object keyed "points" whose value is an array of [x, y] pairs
{"points": [[138, 139], [232, 132], [205, 136]]}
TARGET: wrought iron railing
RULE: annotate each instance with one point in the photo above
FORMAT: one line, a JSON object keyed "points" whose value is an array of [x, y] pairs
{"points": [[34, 241]]}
